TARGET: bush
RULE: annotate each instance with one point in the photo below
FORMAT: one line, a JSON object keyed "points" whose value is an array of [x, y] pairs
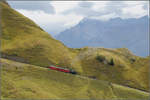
{"points": [[111, 62], [100, 58], [132, 60]]}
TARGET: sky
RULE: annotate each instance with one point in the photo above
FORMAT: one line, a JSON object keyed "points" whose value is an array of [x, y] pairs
{"points": [[57, 16]]}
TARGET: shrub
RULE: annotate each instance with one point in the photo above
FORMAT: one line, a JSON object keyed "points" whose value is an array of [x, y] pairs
{"points": [[111, 62], [100, 58], [132, 60]]}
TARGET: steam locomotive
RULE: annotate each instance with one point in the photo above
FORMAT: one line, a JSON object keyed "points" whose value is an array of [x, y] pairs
{"points": [[62, 69]]}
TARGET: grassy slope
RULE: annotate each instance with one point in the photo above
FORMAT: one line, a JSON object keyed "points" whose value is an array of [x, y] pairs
{"points": [[125, 72], [24, 41], [28, 81], [22, 38]]}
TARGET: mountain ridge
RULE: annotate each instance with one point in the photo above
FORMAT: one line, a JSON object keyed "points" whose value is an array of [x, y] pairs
{"points": [[116, 33]]}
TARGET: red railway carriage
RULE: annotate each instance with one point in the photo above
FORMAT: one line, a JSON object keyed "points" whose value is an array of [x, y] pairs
{"points": [[59, 69]]}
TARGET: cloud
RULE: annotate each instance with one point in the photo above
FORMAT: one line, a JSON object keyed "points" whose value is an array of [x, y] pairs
{"points": [[105, 17], [95, 9], [85, 4], [52, 23], [61, 6], [134, 11], [56, 16], [33, 5]]}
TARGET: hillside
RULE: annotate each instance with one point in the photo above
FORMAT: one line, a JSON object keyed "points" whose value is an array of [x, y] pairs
{"points": [[127, 69], [129, 33], [24, 41], [28, 81]]}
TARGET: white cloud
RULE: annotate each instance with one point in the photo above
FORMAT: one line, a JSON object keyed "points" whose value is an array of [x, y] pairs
{"points": [[53, 23], [69, 13], [123, 9], [61, 6], [105, 17], [101, 9], [132, 3], [135, 11], [100, 6]]}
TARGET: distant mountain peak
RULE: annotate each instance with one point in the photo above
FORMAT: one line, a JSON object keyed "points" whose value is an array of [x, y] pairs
{"points": [[115, 33]]}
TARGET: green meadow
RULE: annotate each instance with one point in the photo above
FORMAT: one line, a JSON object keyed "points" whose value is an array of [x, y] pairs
{"points": [[29, 81]]}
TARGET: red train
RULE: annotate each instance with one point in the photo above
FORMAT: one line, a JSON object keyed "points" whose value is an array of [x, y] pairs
{"points": [[62, 69]]}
